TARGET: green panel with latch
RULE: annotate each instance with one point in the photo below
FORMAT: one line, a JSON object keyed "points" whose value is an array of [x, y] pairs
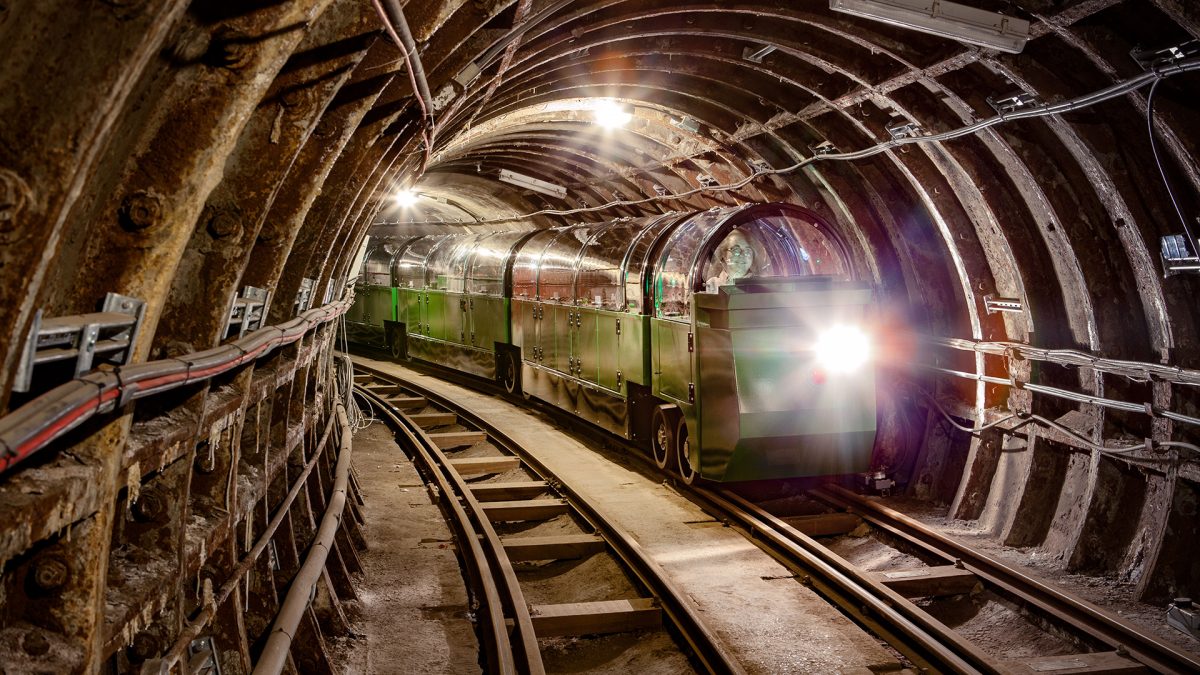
{"points": [[584, 349], [672, 360]]}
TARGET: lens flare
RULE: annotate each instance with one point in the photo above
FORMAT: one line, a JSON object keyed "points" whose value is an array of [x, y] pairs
{"points": [[611, 115], [843, 349], [405, 198]]}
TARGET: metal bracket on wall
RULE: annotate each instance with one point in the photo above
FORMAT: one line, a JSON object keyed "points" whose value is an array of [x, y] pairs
{"points": [[247, 312], [107, 334], [304, 296], [994, 304], [202, 657]]}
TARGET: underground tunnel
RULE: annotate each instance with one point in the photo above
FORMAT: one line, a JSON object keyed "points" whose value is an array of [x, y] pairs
{"points": [[371, 336]]}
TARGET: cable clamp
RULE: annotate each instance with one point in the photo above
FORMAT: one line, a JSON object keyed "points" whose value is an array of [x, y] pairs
{"points": [[1150, 410], [126, 390]]}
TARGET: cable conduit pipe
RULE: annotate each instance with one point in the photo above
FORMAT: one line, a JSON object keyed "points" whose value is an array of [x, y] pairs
{"points": [[192, 630], [1134, 370], [36, 424], [392, 16], [279, 641]]}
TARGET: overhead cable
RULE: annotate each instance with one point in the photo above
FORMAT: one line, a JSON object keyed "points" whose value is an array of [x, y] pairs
{"points": [[1154, 75]]}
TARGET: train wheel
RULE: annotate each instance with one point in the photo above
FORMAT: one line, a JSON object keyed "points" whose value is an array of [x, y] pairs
{"points": [[661, 438], [682, 451], [508, 371]]}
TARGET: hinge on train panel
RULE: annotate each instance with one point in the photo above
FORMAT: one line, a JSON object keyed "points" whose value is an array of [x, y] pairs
{"points": [[247, 312], [202, 657], [691, 342], [108, 334], [304, 295], [618, 326], [620, 377], [691, 392]]}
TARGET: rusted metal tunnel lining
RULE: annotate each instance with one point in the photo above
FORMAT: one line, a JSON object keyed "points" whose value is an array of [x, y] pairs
{"points": [[178, 152]]}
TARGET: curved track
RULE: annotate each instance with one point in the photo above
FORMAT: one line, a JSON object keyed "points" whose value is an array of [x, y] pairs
{"points": [[473, 507], [884, 605]]}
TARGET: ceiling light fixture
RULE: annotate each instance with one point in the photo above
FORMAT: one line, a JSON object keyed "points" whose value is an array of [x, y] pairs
{"points": [[947, 19], [611, 115]]}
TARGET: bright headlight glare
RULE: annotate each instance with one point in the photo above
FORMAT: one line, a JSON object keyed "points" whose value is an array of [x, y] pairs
{"points": [[405, 198], [843, 349]]}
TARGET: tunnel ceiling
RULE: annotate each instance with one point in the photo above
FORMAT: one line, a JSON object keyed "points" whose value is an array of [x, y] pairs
{"points": [[1063, 213]]}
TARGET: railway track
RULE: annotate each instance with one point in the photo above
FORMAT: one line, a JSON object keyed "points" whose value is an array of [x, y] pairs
{"points": [[890, 604], [455, 449]]}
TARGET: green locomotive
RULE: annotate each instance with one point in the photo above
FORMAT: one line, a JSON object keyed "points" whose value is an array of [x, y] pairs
{"points": [[730, 343]]}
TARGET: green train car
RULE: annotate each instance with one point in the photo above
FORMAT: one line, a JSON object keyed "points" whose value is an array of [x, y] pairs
{"points": [[730, 343]]}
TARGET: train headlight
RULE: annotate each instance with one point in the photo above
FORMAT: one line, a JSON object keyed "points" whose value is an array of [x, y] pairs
{"points": [[842, 349]]}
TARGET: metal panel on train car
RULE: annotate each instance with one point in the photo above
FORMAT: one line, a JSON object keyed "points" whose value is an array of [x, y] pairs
{"points": [[672, 359], [524, 327], [556, 335], [585, 344], [607, 349], [456, 310], [411, 301], [633, 360], [488, 321], [435, 313]]}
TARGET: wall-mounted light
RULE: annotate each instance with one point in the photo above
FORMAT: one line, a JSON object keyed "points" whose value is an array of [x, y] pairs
{"points": [[947, 19], [610, 114]]}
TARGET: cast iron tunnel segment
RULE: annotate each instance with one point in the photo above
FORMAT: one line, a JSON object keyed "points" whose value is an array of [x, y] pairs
{"points": [[510, 626]]}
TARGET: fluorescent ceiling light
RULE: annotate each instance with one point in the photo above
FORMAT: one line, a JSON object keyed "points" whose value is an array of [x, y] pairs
{"points": [[405, 198], [610, 114], [514, 178], [947, 19]]}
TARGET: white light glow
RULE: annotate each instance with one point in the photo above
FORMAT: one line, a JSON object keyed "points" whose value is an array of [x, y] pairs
{"points": [[843, 349], [611, 115], [405, 198]]}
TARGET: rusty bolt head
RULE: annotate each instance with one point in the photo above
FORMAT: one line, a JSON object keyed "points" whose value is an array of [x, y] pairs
{"points": [[189, 45], [125, 9], [296, 97], [14, 197], [230, 49], [146, 645], [149, 507], [50, 573], [34, 643], [224, 223], [141, 210]]}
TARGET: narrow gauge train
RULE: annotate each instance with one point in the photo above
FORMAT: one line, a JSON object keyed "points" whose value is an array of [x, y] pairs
{"points": [[730, 342]]}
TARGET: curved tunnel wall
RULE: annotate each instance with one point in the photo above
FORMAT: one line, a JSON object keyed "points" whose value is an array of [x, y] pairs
{"points": [[180, 151]]}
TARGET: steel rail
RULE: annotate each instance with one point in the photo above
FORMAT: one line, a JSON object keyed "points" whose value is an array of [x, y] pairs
{"points": [[470, 521], [707, 646], [1095, 622], [921, 637], [48, 417], [830, 575], [193, 628], [300, 593]]}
